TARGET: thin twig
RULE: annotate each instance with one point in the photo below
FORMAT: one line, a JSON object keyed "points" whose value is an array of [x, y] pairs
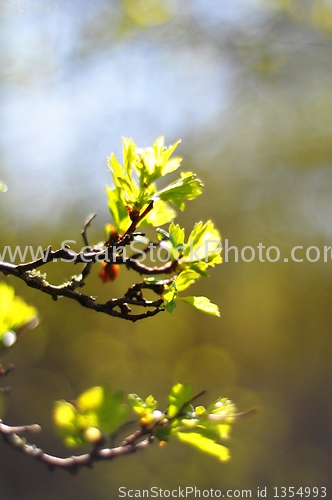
{"points": [[37, 281], [133, 443], [84, 230], [87, 268], [117, 307]]}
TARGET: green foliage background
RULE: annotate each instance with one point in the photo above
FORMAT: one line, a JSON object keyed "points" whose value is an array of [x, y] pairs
{"points": [[265, 160]]}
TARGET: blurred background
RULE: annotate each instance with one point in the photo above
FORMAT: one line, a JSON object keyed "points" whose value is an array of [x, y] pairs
{"points": [[247, 86]]}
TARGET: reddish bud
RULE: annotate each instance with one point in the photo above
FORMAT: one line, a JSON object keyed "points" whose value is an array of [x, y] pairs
{"points": [[109, 272]]}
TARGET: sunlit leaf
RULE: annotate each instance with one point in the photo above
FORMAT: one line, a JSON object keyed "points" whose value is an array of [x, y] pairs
{"points": [[161, 214], [169, 297], [142, 408], [204, 444], [122, 175], [153, 163], [135, 182], [176, 235], [97, 409], [15, 316], [203, 304], [103, 408], [185, 279], [69, 423], [117, 207], [185, 188], [204, 244], [179, 396], [64, 414]]}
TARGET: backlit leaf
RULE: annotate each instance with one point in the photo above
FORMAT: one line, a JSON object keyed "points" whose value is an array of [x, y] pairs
{"points": [[179, 397], [203, 304], [185, 188], [15, 314], [142, 408], [103, 408], [204, 444]]}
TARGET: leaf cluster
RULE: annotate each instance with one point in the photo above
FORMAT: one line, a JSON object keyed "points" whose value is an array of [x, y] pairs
{"points": [[99, 413], [135, 185], [136, 199]]}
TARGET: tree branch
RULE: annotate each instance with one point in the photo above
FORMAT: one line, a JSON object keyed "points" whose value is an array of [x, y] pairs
{"points": [[131, 444], [117, 307], [36, 280]]}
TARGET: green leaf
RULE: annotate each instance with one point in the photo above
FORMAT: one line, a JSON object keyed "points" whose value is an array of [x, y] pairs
{"points": [[153, 163], [103, 408], [185, 279], [122, 175], [3, 187], [203, 245], [203, 304], [69, 423], [161, 214], [98, 408], [179, 397], [169, 297], [145, 166], [185, 188], [176, 235], [162, 234], [162, 432], [140, 407], [170, 306], [117, 207], [204, 444], [214, 422], [199, 268], [16, 317], [129, 155]]}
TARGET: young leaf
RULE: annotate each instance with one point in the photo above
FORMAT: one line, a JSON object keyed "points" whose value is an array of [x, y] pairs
{"points": [[103, 408], [203, 304], [142, 408], [204, 444], [169, 297], [185, 188], [162, 432], [16, 317], [3, 187], [153, 163], [179, 397], [69, 423], [161, 214], [97, 409], [146, 166], [122, 175], [203, 245], [117, 207], [185, 279], [123, 180], [176, 235]]}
